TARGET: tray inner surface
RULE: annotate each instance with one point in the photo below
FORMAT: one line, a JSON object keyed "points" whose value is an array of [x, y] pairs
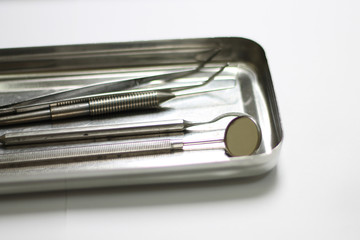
{"points": [[249, 95]]}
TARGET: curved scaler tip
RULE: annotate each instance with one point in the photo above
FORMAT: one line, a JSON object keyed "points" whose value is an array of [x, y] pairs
{"points": [[216, 51]]}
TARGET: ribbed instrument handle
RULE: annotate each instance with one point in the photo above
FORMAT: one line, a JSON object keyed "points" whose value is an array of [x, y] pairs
{"points": [[119, 103], [116, 150]]}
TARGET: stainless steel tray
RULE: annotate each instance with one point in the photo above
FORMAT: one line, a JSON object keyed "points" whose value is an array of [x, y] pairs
{"points": [[27, 72]]}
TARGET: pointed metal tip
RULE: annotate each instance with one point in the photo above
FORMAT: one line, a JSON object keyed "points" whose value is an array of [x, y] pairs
{"points": [[215, 52], [212, 77], [217, 118]]}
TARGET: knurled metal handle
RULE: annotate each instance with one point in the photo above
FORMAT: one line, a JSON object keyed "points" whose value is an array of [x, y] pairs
{"points": [[118, 149], [124, 102]]}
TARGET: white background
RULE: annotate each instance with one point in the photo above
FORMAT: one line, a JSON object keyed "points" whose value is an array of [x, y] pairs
{"points": [[313, 49]]}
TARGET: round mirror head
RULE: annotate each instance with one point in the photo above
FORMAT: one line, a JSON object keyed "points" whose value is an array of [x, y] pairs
{"points": [[242, 136]]}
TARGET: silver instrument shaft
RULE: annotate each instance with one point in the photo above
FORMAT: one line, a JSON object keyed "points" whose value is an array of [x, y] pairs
{"points": [[87, 152], [94, 132]]}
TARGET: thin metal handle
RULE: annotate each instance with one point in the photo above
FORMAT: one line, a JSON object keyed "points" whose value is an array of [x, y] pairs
{"points": [[90, 151], [93, 132]]}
